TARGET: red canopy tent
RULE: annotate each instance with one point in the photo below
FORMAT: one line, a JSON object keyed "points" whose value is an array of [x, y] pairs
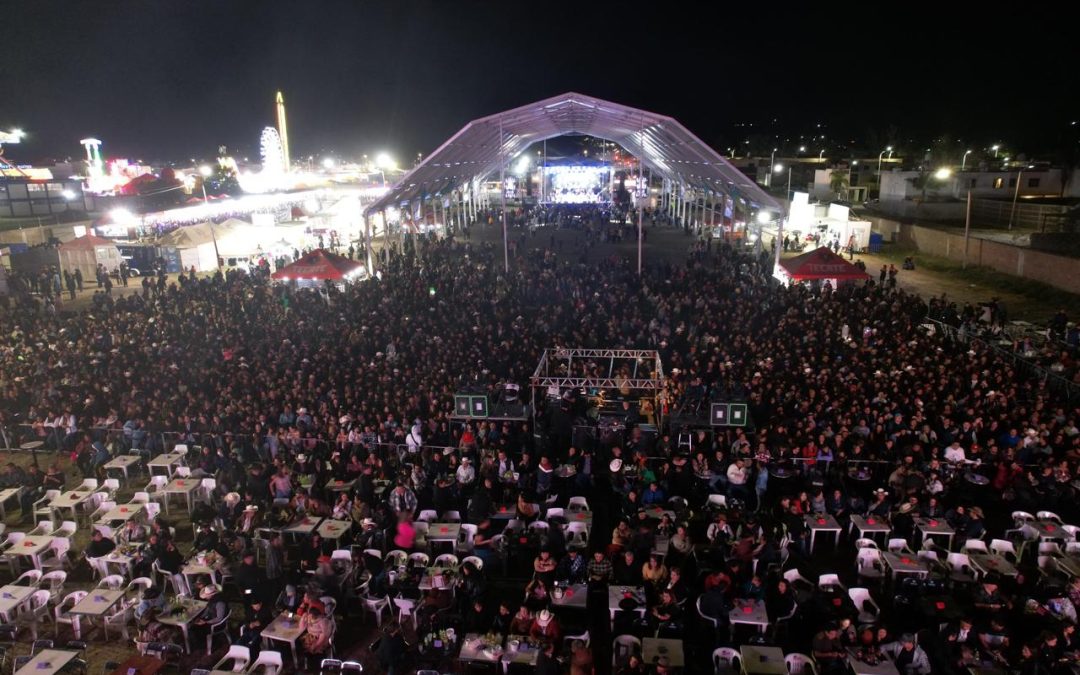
{"points": [[320, 265], [821, 263]]}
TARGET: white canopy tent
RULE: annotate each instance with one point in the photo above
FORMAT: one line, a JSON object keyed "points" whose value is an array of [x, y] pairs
{"points": [[689, 168]]}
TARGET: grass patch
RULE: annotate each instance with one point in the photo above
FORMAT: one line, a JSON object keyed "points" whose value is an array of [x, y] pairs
{"points": [[1039, 293]]}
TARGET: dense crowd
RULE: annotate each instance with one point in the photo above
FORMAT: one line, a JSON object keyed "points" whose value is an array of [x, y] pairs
{"points": [[275, 384]]}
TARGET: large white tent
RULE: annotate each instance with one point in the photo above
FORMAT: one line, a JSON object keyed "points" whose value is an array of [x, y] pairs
{"points": [[694, 175]]}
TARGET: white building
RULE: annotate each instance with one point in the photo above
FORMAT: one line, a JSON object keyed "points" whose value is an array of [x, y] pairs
{"points": [[1037, 182]]}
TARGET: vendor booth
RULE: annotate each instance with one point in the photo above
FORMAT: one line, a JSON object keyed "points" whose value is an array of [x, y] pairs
{"points": [[819, 266], [314, 269]]}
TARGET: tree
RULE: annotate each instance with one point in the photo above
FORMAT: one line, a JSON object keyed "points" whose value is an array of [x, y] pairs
{"points": [[838, 183], [922, 182]]}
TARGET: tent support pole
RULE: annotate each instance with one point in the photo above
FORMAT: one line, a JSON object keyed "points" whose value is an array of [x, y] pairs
{"points": [[502, 194]]}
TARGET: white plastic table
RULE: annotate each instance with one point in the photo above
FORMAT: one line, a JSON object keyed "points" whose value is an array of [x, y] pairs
{"points": [[332, 530], [749, 612], [902, 563], [168, 461], [868, 529], [651, 648], [285, 628], [71, 500], [120, 514], [122, 463], [191, 610], [822, 522], [935, 527], [758, 660], [97, 602], [617, 594], [443, 531], [5, 495], [181, 486], [11, 597], [47, 662], [883, 667], [574, 597], [992, 562], [32, 547], [302, 527]]}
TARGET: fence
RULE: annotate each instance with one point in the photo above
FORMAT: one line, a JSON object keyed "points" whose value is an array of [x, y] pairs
{"points": [[1069, 389]]}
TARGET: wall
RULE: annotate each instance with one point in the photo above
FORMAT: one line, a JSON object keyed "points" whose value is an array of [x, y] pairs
{"points": [[1054, 270]]}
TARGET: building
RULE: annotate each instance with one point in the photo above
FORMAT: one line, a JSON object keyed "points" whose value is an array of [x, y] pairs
{"points": [[29, 193], [1039, 182]]}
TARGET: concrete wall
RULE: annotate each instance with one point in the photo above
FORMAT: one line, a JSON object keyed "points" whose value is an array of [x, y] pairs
{"points": [[1055, 270]]}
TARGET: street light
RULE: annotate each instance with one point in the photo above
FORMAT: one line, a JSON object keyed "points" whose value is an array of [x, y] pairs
{"points": [[328, 163], [779, 168], [963, 162], [768, 176], [943, 173], [880, 155], [383, 161], [522, 166], [206, 172], [995, 148], [802, 148], [821, 154]]}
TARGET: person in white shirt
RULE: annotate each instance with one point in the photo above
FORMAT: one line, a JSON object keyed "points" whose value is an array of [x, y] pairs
{"points": [[737, 476], [954, 454], [466, 474]]}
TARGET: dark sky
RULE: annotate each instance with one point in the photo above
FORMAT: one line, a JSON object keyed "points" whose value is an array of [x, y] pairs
{"points": [[171, 79]]}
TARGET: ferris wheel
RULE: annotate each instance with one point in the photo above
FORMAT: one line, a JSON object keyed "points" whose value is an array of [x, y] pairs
{"points": [[273, 156]]}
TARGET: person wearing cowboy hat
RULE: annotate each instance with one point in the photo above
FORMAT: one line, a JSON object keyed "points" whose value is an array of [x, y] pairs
{"points": [[216, 610], [465, 473], [545, 627]]}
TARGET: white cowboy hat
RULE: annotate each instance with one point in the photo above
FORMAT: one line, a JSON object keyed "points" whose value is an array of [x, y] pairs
{"points": [[615, 466]]}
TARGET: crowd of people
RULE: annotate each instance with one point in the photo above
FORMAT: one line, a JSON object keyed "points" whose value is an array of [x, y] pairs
{"points": [[866, 411]]}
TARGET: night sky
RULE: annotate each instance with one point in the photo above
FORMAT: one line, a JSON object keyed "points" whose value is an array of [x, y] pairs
{"points": [[164, 79]]}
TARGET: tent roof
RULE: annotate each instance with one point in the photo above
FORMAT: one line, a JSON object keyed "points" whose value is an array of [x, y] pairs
{"points": [[87, 241], [663, 144], [821, 263], [319, 264]]}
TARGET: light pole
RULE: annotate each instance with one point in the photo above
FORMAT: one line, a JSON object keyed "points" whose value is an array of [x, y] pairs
{"points": [[880, 155], [768, 176], [1016, 193], [963, 162], [779, 168], [821, 154], [383, 162], [995, 148], [205, 171]]}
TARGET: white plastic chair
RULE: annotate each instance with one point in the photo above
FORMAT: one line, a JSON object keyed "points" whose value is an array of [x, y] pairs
{"points": [[577, 533], [111, 486], [1021, 518], [465, 540], [476, 562], [538, 525], [1003, 547], [555, 513], [419, 560], [960, 569], [899, 545], [31, 578], [376, 605], [726, 660], [43, 508], [221, 628], [397, 558], [865, 543], [582, 504], [270, 662], [44, 529], [428, 515], [974, 546], [36, 611], [183, 472], [238, 655], [56, 555], [623, 647], [451, 517], [794, 579], [1048, 515], [800, 664], [1049, 548], [869, 611], [113, 582], [62, 614], [88, 484], [140, 497], [206, 489], [446, 560], [405, 608], [829, 581], [138, 585], [54, 583], [868, 564], [67, 529]]}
